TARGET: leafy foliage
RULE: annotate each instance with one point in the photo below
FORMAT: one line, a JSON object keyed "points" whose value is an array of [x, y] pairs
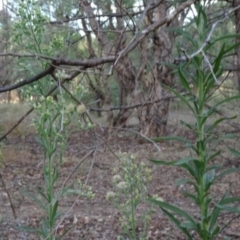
{"points": [[199, 165]]}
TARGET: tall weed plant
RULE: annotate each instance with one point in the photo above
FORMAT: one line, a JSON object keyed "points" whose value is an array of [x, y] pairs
{"points": [[130, 193], [51, 127], [203, 73]]}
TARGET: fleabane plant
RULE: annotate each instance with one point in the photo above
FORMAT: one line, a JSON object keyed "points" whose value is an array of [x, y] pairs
{"points": [[51, 126], [203, 74], [130, 193]]}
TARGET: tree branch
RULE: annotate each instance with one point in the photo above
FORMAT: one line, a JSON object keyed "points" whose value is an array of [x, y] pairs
{"points": [[141, 35], [76, 73], [49, 70]]}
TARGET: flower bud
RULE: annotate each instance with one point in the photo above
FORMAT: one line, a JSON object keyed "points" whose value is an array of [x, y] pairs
{"points": [[81, 109]]}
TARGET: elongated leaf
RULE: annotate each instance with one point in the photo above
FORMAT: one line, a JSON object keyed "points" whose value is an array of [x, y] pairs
{"points": [[209, 179], [237, 44], [188, 225], [229, 208], [218, 59], [181, 97], [216, 167], [214, 215], [191, 196], [215, 232], [185, 160], [164, 163], [54, 211], [226, 100], [65, 232], [184, 181], [174, 209], [42, 194], [213, 156], [235, 152], [213, 126], [183, 80], [177, 223], [188, 36], [34, 198], [28, 229], [227, 172], [190, 169], [188, 125], [209, 86], [229, 136], [229, 200], [224, 37]]}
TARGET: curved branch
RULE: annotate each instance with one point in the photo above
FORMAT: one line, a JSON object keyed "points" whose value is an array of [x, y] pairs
{"points": [[141, 35], [28, 81], [76, 73]]}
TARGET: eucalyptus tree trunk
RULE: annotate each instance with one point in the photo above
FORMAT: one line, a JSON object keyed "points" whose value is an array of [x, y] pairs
{"points": [[135, 85], [154, 117], [124, 68], [237, 24]]}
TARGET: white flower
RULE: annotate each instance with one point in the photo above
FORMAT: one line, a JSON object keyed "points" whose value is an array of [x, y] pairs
{"points": [[81, 108], [156, 197], [70, 107], [116, 178], [122, 185], [110, 195]]}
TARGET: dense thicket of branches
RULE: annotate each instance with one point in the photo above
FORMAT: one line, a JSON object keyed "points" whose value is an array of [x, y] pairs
{"points": [[122, 51]]}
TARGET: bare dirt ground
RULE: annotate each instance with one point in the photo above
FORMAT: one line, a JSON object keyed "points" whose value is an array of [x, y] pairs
{"points": [[97, 219]]}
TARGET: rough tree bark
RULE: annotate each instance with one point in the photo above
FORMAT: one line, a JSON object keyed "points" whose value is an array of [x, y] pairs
{"points": [[237, 24], [154, 117], [124, 68]]}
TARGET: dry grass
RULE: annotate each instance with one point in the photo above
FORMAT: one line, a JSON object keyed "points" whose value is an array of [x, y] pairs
{"points": [[10, 114]]}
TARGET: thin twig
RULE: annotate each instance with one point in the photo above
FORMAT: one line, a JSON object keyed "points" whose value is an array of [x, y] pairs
{"points": [[9, 198], [208, 38], [32, 108]]}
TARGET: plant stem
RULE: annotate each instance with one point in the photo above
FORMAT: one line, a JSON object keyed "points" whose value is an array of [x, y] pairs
{"points": [[132, 210]]}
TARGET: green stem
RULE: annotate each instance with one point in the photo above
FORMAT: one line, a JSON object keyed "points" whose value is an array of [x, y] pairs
{"points": [[132, 210], [201, 155]]}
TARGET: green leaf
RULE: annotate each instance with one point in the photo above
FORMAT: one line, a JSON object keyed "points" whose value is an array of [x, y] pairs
{"points": [[28, 229], [188, 225], [227, 172], [174, 209], [65, 232], [191, 196], [216, 167], [213, 126], [185, 160], [42, 194], [177, 223], [188, 125], [208, 178], [218, 59], [229, 208], [54, 212], [191, 170], [34, 198], [160, 162], [183, 80], [233, 46], [188, 36], [224, 37], [235, 152], [184, 181], [181, 97], [226, 100], [213, 156], [215, 232]]}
